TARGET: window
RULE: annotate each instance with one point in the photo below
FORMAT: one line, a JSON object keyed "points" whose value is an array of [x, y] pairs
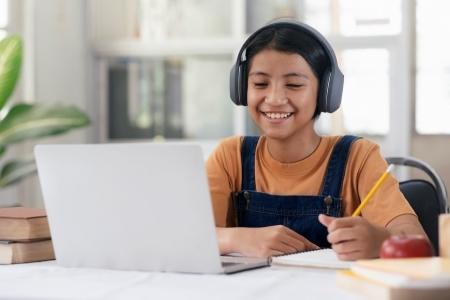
{"points": [[366, 90], [354, 17], [3, 18], [166, 73], [176, 97], [433, 67], [370, 18]]}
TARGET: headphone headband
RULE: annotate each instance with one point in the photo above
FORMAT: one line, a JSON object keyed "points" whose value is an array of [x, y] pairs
{"points": [[296, 26]]}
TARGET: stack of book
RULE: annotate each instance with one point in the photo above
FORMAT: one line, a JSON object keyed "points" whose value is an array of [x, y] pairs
{"points": [[24, 235], [396, 279]]}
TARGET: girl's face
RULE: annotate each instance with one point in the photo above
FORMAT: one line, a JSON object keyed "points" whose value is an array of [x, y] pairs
{"points": [[282, 94]]}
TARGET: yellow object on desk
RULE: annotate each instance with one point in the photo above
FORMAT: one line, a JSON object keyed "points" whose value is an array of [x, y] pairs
{"points": [[398, 279], [444, 235], [373, 191]]}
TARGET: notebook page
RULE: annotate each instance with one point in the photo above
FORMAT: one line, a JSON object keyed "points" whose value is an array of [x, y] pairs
{"points": [[323, 258]]}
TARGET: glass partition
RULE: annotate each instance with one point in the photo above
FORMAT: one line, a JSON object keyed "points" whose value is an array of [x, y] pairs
{"points": [[176, 97]]}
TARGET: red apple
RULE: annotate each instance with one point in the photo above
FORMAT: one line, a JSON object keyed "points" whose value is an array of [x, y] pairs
{"points": [[399, 246]]}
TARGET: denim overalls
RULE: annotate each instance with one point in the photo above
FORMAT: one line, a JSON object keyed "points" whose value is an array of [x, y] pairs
{"points": [[299, 213]]}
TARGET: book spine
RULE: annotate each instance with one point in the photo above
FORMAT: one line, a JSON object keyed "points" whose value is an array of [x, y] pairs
{"points": [[32, 252]]}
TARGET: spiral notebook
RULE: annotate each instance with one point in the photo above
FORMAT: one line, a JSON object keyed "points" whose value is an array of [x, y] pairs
{"points": [[322, 258]]}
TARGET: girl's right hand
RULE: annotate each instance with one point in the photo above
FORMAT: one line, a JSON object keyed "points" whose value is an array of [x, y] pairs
{"points": [[262, 241]]}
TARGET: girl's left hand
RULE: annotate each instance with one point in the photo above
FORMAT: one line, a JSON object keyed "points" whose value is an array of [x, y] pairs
{"points": [[354, 237]]}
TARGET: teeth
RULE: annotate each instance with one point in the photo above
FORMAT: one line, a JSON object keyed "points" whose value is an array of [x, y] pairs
{"points": [[278, 115]]}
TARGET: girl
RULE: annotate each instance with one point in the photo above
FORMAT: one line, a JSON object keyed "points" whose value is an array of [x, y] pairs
{"points": [[291, 189]]}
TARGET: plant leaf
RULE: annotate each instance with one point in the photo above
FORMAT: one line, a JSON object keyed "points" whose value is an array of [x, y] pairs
{"points": [[15, 170], [25, 121], [10, 62]]}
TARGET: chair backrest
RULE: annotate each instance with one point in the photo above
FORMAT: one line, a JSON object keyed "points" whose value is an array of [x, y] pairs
{"points": [[427, 199]]}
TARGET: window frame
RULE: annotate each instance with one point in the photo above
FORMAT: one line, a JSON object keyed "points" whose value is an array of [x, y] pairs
{"points": [[413, 79]]}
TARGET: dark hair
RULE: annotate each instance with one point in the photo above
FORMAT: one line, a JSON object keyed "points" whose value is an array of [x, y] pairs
{"points": [[291, 41]]}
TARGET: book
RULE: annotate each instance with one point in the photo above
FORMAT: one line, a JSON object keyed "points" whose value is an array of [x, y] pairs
{"points": [[22, 252], [382, 290], [403, 278], [405, 269], [322, 258], [23, 224], [444, 235]]}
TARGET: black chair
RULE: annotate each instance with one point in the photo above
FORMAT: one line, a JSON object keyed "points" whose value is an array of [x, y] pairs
{"points": [[428, 200]]}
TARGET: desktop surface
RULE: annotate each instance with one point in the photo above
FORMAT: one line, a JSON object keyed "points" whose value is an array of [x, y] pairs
{"points": [[47, 280]]}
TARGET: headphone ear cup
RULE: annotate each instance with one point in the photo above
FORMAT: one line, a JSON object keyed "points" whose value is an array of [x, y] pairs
{"points": [[234, 85], [324, 95], [242, 88], [336, 87], [330, 93], [238, 84]]}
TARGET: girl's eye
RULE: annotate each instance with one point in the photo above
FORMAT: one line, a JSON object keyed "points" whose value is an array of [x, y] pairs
{"points": [[292, 85], [260, 84]]}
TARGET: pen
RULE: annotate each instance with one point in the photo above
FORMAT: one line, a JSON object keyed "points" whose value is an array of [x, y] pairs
{"points": [[372, 191]]}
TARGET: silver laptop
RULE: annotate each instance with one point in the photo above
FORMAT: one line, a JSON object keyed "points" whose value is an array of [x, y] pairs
{"points": [[139, 206]]}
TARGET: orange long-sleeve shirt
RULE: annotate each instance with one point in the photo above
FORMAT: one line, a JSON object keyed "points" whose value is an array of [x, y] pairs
{"points": [[364, 166]]}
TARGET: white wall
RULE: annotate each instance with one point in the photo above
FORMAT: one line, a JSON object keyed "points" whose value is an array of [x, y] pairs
{"points": [[60, 68]]}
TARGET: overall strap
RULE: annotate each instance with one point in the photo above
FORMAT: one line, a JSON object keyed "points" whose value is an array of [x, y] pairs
{"points": [[248, 149], [335, 173]]}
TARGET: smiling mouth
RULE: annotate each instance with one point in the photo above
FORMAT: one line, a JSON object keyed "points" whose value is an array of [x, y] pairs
{"points": [[277, 115]]}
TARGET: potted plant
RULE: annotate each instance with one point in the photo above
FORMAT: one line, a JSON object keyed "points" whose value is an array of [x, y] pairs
{"points": [[24, 121]]}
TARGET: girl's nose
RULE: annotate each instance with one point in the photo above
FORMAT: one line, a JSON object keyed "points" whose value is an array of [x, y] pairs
{"points": [[276, 97]]}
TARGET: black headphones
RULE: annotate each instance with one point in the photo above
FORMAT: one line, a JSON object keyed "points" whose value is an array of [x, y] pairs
{"points": [[331, 84]]}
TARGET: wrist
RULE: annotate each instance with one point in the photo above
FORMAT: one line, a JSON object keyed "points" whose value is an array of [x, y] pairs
{"points": [[225, 239]]}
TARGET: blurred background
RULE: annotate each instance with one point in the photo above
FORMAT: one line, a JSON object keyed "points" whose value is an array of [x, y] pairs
{"points": [[146, 70]]}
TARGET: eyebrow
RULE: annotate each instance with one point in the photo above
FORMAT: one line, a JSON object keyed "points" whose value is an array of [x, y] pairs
{"points": [[293, 74]]}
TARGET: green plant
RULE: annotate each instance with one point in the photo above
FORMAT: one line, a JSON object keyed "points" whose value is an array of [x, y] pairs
{"points": [[24, 121]]}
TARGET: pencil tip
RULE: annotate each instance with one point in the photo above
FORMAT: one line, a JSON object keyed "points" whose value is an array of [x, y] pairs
{"points": [[390, 168]]}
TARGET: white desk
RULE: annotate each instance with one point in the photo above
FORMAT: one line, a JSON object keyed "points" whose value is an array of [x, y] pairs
{"points": [[46, 280]]}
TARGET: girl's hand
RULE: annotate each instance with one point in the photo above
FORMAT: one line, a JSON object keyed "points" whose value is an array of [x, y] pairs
{"points": [[354, 237], [262, 241]]}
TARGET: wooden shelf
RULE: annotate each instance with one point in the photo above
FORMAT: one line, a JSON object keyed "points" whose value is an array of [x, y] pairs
{"points": [[180, 47]]}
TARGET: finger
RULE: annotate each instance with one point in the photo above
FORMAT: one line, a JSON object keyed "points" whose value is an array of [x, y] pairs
{"points": [[341, 235], [346, 247], [350, 255], [295, 243], [309, 245], [276, 253], [343, 222], [290, 249], [283, 247], [325, 220], [267, 253]]}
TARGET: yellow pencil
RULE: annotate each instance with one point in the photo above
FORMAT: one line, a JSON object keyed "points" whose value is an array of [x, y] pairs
{"points": [[372, 191]]}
